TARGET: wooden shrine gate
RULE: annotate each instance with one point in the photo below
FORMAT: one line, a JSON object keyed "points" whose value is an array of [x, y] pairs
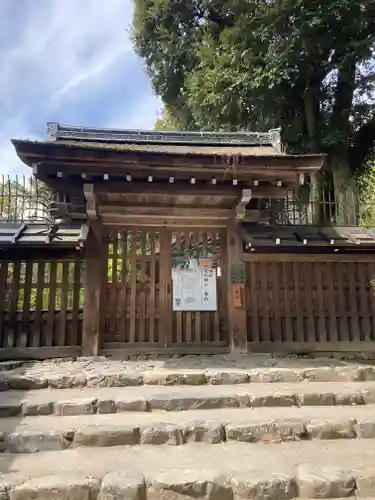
{"points": [[138, 309]]}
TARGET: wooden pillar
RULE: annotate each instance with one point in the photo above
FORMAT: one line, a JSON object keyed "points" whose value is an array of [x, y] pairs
{"points": [[95, 278], [236, 290]]}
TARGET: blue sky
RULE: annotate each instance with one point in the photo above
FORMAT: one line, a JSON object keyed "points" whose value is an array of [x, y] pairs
{"points": [[69, 61]]}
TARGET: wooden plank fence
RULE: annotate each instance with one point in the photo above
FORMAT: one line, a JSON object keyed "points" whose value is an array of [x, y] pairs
{"points": [[294, 303], [307, 304], [41, 308]]}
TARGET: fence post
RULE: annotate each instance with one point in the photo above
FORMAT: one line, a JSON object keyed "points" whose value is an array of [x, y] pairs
{"points": [[95, 277], [236, 290]]}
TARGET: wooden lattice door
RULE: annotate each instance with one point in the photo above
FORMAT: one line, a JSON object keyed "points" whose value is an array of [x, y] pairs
{"points": [[198, 329], [139, 312], [136, 291]]}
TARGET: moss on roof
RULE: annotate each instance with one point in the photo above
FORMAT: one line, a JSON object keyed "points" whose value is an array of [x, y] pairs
{"points": [[229, 150]]}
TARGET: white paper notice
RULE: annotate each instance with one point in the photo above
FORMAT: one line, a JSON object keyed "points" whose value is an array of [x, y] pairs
{"points": [[194, 287]]}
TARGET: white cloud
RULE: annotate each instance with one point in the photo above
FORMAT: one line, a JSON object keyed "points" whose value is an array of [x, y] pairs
{"points": [[56, 55]]}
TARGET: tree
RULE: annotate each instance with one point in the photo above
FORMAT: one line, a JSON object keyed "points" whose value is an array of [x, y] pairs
{"points": [[306, 65], [167, 120]]}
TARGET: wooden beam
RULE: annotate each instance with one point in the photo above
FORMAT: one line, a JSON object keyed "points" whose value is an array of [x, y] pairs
{"points": [[45, 352], [118, 183], [115, 348], [68, 210], [95, 282], [73, 186], [91, 201], [185, 168], [186, 212], [244, 200], [159, 189], [222, 191], [298, 257], [273, 192], [166, 189], [39, 253], [148, 222], [235, 291], [311, 347]]}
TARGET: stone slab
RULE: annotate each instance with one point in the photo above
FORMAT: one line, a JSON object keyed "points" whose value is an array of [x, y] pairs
{"points": [[123, 485], [100, 372], [82, 406], [174, 398], [258, 485], [110, 435], [190, 484], [56, 487], [162, 433], [30, 441], [209, 421], [265, 425], [204, 431], [352, 460], [267, 432], [331, 429], [325, 481]]}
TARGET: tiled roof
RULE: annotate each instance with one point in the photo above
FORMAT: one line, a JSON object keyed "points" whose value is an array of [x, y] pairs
{"points": [[243, 138], [42, 234], [262, 235]]}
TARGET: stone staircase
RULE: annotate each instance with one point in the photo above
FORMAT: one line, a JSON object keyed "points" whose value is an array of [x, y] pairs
{"points": [[221, 429]]}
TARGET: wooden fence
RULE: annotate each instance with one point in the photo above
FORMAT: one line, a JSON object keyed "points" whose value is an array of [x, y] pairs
{"points": [[41, 306], [310, 303], [295, 303]]}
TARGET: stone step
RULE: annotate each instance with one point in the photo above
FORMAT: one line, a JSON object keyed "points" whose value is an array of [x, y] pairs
{"points": [[267, 425], [305, 469], [113, 399], [114, 374]]}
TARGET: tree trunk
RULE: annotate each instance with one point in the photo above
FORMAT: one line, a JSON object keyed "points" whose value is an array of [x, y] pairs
{"points": [[345, 192], [312, 114], [345, 204]]}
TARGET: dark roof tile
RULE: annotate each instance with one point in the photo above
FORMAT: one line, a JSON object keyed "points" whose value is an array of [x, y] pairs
{"points": [[39, 234]]}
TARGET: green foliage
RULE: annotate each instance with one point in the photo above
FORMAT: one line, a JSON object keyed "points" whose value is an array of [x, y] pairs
{"points": [[366, 190], [13, 196], [23, 199], [167, 121], [306, 65]]}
